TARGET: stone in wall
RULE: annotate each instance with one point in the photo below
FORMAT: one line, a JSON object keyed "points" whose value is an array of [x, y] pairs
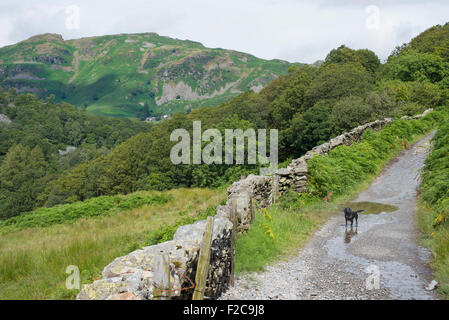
{"points": [[220, 262], [256, 187], [294, 177], [417, 116]]}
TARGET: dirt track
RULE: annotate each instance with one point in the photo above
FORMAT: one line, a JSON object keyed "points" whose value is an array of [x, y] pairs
{"points": [[339, 263]]}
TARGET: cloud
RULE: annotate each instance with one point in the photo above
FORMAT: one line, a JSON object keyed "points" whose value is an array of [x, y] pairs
{"points": [[301, 31]]}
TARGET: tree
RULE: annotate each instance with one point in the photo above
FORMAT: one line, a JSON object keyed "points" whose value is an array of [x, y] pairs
{"points": [[415, 66], [425, 93], [310, 129], [434, 40], [144, 112], [21, 180], [335, 81], [384, 103], [391, 95], [349, 113], [367, 58], [292, 98]]}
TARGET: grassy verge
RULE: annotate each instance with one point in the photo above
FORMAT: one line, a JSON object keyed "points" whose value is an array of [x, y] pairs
{"points": [[95, 207], [346, 171], [433, 208], [33, 260]]}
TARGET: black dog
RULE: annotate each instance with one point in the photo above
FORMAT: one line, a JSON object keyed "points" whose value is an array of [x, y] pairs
{"points": [[350, 215]]}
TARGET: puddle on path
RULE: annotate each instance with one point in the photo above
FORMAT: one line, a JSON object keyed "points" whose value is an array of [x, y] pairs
{"points": [[369, 207], [349, 233], [371, 218]]}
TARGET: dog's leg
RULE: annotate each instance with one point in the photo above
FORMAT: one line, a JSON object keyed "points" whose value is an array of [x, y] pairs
{"points": [[356, 219]]}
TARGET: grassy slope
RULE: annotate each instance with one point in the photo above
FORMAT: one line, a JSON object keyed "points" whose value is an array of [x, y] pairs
{"points": [[433, 208], [113, 75], [33, 260], [287, 226]]}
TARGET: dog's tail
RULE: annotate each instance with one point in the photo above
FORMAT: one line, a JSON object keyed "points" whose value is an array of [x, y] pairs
{"points": [[359, 211]]}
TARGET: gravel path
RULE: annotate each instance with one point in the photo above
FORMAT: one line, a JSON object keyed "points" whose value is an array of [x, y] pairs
{"points": [[344, 264]]}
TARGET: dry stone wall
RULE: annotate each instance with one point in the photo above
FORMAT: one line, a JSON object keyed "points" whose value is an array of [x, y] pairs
{"points": [[295, 175], [131, 276]]}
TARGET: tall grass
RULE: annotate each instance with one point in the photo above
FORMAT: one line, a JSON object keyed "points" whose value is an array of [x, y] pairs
{"points": [[68, 213], [276, 231], [433, 207], [33, 260], [285, 227]]}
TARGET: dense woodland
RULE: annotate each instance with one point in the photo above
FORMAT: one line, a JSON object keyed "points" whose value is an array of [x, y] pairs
{"points": [[30, 144], [308, 105]]}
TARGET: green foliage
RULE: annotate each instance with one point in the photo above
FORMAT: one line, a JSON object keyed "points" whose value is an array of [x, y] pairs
{"points": [[273, 231], [33, 261], [22, 176], [69, 213], [367, 58], [392, 97], [434, 40], [167, 231], [292, 99], [52, 126], [124, 75], [336, 81], [310, 129], [49, 127], [436, 172], [415, 66], [349, 113], [308, 105], [345, 166], [433, 213], [137, 200]]}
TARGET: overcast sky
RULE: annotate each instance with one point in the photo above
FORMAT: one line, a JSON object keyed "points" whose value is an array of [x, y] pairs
{"points": [[293, 30]]}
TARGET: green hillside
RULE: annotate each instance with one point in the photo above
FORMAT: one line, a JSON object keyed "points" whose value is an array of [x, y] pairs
{"points": [[119, 75], [308, 105], [118, 190], [36, 250]]}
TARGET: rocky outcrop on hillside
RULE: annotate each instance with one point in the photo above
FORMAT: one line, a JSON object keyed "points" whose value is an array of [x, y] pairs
{"points": [[165, 72]]}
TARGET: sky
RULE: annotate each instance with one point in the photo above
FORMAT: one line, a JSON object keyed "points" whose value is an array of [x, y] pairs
{"points": [[292, 30]]}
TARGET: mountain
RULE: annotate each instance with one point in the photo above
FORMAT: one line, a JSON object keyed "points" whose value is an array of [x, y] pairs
{"points": [[130, 75]]}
